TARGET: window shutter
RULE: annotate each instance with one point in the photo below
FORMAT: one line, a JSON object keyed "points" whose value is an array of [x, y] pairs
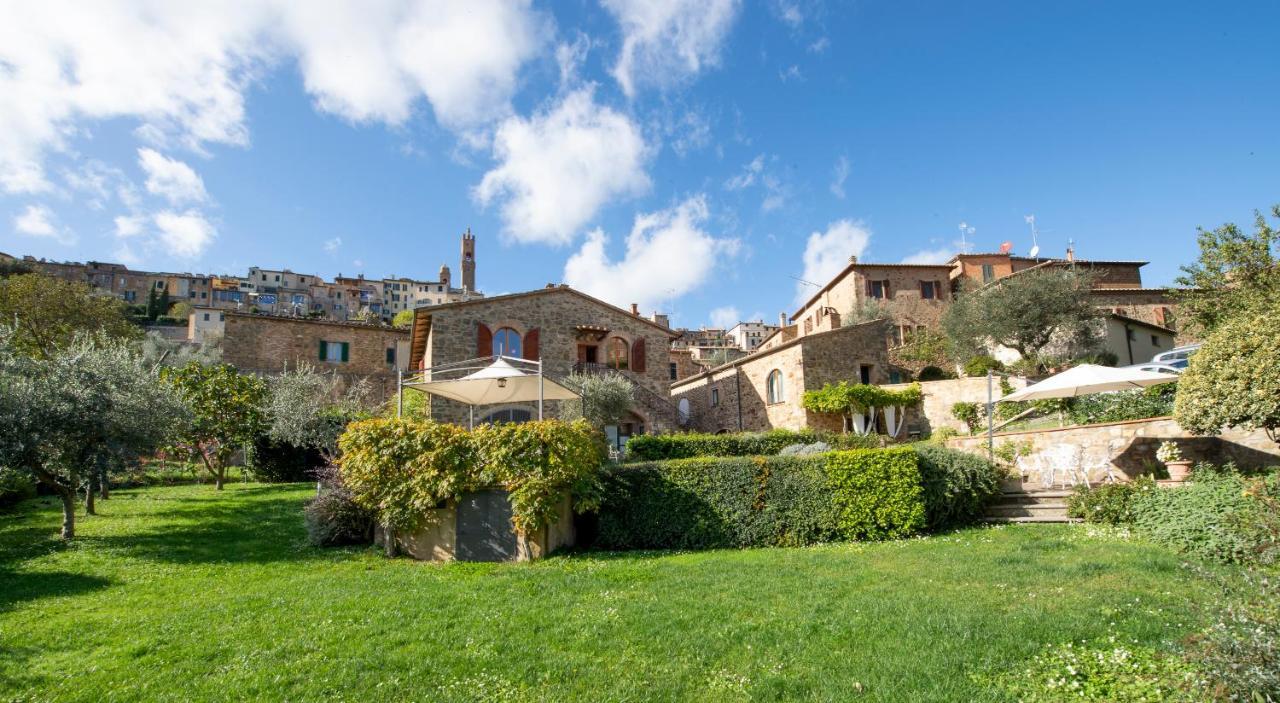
{"points": [[345, 347], [887, 296], [484, 340], [637, 356], [324, 350], [531, 344]]}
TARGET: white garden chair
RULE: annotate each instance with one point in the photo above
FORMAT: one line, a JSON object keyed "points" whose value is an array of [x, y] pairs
{"points": [[1103, 464]]}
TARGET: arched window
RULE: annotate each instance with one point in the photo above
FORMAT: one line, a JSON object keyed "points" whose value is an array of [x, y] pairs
{"points": [[506, 342], [774, 386], [513, 416], [618, 354]]}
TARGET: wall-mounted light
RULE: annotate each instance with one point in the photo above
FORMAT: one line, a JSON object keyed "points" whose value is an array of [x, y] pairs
{"points": [[502, 383]]}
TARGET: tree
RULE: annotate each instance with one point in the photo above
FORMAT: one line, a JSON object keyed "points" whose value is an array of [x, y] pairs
{"points": [[159, 350], [1025, 312], [86, 410], [1235, 273], [606, 399], [181, 310], [311, 409], [1234, 380], [403, 319], [49, 312], [227, 411]]}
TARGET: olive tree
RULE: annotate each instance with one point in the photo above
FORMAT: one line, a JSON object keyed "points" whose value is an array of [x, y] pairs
{"points": [[1026, 312], [1235, 273], [226, 412], [605, 398], [310, 408], [48, 313], [71, 417], [1234, 380]]}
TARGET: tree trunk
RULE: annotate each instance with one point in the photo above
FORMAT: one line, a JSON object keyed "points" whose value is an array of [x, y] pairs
{"points": [[104, 488], [389, 537], [88, 498], [68, 513], [218, 477]]}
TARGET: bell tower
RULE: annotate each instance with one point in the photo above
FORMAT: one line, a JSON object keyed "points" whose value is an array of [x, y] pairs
{"points": [[468, 260]]}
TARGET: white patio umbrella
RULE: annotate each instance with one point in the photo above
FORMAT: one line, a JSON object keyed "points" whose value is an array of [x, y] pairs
{"points": [[498, 382], [1089, 378]]}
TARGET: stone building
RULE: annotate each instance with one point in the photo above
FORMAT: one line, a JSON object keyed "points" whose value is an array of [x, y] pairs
{"points": [[269, 344], [749, 334], [764, 390], [565, 328]]}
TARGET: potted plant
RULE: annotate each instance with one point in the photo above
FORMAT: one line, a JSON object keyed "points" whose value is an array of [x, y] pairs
{"points": [[1169, 454]]}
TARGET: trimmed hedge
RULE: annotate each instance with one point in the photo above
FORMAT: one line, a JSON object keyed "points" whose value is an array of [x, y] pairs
{"points": [[686, 446], [703, 503], [957, 485]]}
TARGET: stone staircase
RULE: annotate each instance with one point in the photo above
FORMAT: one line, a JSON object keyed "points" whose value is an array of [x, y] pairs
{"points": [[1030, 506]]}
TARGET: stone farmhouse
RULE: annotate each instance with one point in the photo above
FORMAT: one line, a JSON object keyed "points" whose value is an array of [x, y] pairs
{"points": [[565, 328]]}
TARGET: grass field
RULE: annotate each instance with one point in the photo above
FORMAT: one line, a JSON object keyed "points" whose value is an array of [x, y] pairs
{"points": [[181, 593]]}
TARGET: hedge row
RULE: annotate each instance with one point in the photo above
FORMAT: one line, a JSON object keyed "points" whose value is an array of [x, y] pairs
{"points": [[710, 502], [685, 446]]}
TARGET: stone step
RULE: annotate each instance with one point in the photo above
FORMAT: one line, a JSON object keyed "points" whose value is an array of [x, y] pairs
{"points": [[1036, 510], [1035, 519], [1032, 498]]}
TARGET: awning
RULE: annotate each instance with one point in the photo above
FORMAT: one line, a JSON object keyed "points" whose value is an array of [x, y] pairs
{"points": [[1089, 378], [497, 383]]}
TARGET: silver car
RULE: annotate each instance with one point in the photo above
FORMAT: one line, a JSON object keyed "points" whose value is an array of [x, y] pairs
{"points": [[1178, 357]]}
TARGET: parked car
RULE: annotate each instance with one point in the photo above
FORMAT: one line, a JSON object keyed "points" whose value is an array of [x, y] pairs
{"points": [[1158, 368], [1176, 357]]}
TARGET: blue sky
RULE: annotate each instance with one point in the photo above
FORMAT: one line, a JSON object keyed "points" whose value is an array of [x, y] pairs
{"points": [[693, 156]]}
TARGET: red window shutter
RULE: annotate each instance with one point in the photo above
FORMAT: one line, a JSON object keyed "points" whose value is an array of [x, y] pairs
{"points": [[887, 296], [531, 344], [637, 356], [484, 340]]}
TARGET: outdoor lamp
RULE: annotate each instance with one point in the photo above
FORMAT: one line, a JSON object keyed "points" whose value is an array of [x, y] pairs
{"points": [[502, 383]]}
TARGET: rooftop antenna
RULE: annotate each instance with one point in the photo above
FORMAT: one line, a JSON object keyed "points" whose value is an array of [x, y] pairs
{"points": [[1035, 243], [965, 232]]}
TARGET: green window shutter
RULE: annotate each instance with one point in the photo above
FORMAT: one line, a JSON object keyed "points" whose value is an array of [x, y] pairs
{"points": [[345, 347], [324, 350]]}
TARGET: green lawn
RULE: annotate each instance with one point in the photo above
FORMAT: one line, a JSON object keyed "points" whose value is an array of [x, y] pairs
{"points": [[182, 593]]}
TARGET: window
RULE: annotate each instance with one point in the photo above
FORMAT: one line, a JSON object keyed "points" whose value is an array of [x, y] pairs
{"points": [[222, 317], [988, 273], [618, 353], [878, 289], [928, 290], [206, 317], [391, 356], [1155, 341], [674, 370], [895, 377], [506, 342], [277, 278], [334, 352], [512, 416], [773, 388], [864, 374], [715, 397]]}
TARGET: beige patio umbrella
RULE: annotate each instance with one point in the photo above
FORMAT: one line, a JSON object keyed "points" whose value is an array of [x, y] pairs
{"points": [[497, 382], [1089, 378]]}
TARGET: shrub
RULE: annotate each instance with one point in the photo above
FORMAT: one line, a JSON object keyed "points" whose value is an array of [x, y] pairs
{"points": [[932, 373], [979, 365], [280, 462], [1108, 503], [1240, 651], [805, 449], [15, 487], [1217, 515], [1234, 380], [957, 485], [333, 518], [706, 503], [1101, 672], [969, 414], [1156, 401]]}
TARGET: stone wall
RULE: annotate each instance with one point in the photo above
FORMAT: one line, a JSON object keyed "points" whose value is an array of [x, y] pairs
{"points": [[560, 315], [806, 363], [1153, 305], [903, 301], [935, 408], [1131, 446], [266, 344]]}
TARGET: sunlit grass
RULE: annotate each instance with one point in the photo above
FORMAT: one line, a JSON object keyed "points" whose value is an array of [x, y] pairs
{"points": [[183, 593]]}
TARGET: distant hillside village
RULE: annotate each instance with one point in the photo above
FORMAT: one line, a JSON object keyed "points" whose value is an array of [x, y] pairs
{"points": [[748, 377]]}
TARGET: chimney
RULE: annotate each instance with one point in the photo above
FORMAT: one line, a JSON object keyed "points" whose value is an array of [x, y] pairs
{"points": [[853, 259], [635, 309], [1071, 253], [782, 319]]}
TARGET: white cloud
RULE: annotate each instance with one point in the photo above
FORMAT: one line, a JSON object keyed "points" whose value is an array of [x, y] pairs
{"points": [[941, 255], [559, 167], [668, 254], [170, 178], [40, 221], [184, 235], [827, 253], [820, 46], [789, 13], [791, 73], [667, 41], [129, 225], [331, 245], [181, 68], [725, 317], [748, 176], [839, 174]]}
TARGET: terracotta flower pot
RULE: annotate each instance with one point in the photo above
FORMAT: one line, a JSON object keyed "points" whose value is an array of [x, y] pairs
{"points": [[1178, 470]]}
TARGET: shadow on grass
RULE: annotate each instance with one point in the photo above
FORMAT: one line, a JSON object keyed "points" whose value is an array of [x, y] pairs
{"points": [[26, 586]]}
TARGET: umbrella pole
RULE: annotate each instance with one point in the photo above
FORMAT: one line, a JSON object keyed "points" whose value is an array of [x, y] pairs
{"points": [[540, 391], [471, 417], [991, 450], [399, 392]]}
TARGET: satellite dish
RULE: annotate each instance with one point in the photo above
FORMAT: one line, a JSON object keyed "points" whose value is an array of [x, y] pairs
{"points": [[1006, 247], [1034, 250]]}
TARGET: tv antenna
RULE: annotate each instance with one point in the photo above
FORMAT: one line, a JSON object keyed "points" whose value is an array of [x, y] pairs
{"points": [[965, 232], [1035, 243]]}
